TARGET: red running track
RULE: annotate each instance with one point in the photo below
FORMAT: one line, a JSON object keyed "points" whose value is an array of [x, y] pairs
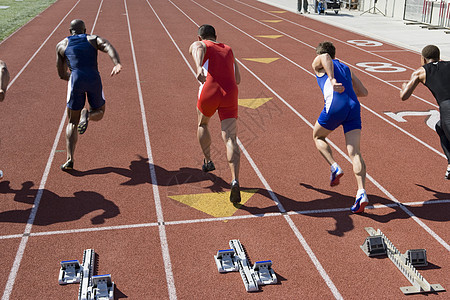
{"points": [[145, 150]]}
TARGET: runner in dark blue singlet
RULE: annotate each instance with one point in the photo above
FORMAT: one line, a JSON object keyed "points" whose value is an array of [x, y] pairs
{"points": [[77, 63], [435, 75], [340, 88]]}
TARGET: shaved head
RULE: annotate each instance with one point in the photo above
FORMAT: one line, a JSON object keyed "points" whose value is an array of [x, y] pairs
{"points": [[77, 27]]}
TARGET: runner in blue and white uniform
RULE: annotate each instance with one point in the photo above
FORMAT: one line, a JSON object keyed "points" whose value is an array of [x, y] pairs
{"points": [[77, 63], [340, 88]]}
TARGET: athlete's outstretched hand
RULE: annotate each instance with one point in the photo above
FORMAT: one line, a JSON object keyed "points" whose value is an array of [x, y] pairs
{"points": [[337, 87], [200, 76], [116, 70]]}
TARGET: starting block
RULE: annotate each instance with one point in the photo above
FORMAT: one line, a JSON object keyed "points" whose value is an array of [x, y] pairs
{"points": [[92, 287], [226, 261], [374, 246], [416, 257], [236, 259], [406, 263], [70, 272], [102, 287]]}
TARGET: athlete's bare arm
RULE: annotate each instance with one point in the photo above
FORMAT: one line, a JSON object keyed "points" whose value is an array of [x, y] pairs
{"points": [[4, 79], [197, 50], [322, 64], [358, 87], [105, 46], [61, 63], [417, 76], [237, 74]]}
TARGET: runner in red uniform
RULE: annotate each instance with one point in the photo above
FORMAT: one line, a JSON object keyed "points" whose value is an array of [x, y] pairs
{"points": [[218, 73]]}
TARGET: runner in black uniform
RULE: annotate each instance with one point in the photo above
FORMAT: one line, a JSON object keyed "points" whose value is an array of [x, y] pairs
{"points": [[435, 75]]}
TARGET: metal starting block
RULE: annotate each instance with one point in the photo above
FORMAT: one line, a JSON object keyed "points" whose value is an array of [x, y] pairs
{"points": [[405, 263], [226, 261], [374, 246], [102, 287], [264, 273], [236, 259], [416, 257], [92, 287], [70, 272]]}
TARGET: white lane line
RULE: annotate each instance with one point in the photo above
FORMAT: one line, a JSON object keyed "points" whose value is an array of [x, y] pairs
{"points": [[329, 36], [379, 186], [23, 243], [363, 71], [42, 45], [288, 219], [310, 73], [213, 219], [96, 17], [294, 228], [162, 230]]}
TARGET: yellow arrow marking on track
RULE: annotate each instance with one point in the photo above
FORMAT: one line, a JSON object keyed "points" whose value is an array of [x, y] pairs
{"points": [[253, 102], [215, 204], [272, 21], [277, 11], [275, 36], [263, 60]]}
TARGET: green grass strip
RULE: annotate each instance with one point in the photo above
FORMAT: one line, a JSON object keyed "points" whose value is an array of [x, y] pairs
{"points": [[19, 13]]}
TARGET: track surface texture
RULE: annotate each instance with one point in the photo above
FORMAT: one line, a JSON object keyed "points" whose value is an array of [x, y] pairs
{"points": [[121, 199]]}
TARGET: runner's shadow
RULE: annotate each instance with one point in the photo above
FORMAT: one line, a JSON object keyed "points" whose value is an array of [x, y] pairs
{"points": [[55, 209], [337, 206], [139, 173]]}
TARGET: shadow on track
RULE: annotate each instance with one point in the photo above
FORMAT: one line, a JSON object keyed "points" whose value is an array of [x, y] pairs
{"points": [[55, 209], [139, 173]]}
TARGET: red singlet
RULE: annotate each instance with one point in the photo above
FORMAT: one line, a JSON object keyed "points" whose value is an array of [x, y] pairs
{"points": [[220, 91]]}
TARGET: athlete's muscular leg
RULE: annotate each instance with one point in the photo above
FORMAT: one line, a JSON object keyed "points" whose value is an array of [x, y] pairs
{"points": [[71, 132], [229, 130], [353, 139], [319, 136], [203, 135], [4, 80], [92, 114], [443, 128], [445, 143]]}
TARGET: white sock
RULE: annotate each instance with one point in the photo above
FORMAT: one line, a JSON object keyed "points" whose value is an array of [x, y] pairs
{"points": [[334, 167], [359, 192]]}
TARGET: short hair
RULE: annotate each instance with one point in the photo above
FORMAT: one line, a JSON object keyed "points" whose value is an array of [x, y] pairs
{"points": [[77, 26], [431, 52], [326, 47], [206, 31]]}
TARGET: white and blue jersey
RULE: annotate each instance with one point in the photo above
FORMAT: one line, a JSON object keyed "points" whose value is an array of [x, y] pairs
{"points": [[84, 79], [340, 108]]}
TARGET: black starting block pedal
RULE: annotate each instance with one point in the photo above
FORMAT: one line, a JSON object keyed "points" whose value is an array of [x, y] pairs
{"points": [[416, 257], [374, 246]]}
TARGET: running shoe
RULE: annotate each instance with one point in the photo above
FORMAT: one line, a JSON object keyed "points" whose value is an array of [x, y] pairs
{"points": [[235, 195], [335, 175], [360, 203], [82, 126], [447, 174], [68, 165], [208, 166]]}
